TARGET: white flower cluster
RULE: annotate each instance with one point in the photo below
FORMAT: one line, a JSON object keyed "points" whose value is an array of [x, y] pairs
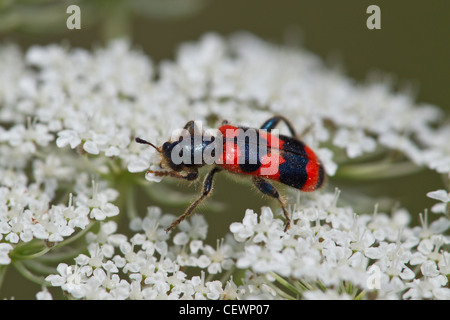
{"points": [[328, 246], [27, 212], [69, 116], [331, 246], [146, 266]]}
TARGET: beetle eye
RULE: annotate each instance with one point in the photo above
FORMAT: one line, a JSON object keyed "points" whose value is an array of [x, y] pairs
{"points": [[166, 146]]}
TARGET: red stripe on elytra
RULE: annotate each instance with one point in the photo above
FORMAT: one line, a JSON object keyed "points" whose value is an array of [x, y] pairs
{"points": [[312, 171]]}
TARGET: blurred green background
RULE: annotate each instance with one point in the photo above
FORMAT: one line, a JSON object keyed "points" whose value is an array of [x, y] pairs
{"points": [[413, 43], [413, 46]]}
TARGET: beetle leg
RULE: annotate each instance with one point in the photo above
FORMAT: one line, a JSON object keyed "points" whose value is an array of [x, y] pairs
{"points": [[273, 122], [192, 175], [269, 190], [207, 186]]}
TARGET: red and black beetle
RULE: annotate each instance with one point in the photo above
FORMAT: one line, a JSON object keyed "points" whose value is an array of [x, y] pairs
{"points": [[254, 152]]}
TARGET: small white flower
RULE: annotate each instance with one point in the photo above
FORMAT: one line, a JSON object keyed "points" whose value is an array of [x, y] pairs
{"points": [[44, 294], [437, 155], [68, 137], [429, 269], [5, 249], [444, 197], [215, 290], [196, 227], [181, 238], [444, 263], [243, 231], [70, 279], [326, 156], [99, 203], [220, 257], [427, 288], [138, 165], [195, 246], [105, 211], [91, 147], [151, 176]]}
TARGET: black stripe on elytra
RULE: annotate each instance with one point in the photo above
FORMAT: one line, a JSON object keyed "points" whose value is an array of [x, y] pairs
{"points": [[252, 150], [293, 145], [293, 170]]}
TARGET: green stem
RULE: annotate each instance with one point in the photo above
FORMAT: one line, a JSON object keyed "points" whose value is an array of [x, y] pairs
{"points": [[378, 170], [75, 237], [130, 201], [115, 20], [20, 267], [3, 269], [360, 295], [29, 250], [305, 285], [16, 255], [61, 256], [88, 164], [286, 284], [282, 293], [38, 267], [226, 276]]}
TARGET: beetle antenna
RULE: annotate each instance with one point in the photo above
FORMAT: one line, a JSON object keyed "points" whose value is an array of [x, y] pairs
{"points": [[142, 141]]}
